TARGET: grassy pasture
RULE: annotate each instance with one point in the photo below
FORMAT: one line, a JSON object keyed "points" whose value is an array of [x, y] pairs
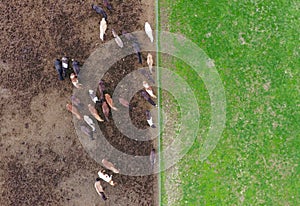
{"points": [[255, 48]]}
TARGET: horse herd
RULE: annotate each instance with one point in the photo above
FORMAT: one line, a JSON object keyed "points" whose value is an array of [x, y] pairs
{"points": [[63, 69]]}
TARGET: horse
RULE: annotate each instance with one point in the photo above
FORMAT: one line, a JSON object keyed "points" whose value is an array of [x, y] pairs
{"points": [[148, 31], [117, 39], [105, 110], [103, 27], [93, 96], [147, 97], [99, 10], [74, 111], [150, 62], [152, 158], [76, 67], [99, 188], [59, 69], [94, 112], [110, 166], [107, 5], [149, 119], [65, 65], [87, 131], [90, 122], [110, 102], [148, 89]]}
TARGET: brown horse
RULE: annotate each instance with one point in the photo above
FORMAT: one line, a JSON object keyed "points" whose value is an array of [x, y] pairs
{"points": [[108, 165], [110, 102], [105, 110], [74, 111], [94, 112]]}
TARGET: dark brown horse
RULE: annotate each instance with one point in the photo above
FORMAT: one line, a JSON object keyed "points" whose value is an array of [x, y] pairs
{"points": [[99, 10]]}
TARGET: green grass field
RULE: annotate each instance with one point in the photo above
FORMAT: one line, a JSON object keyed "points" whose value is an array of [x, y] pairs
{"points": [[255, 47]]}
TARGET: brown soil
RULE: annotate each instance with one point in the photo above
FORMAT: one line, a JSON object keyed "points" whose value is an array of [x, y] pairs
{"points": [[42, 161]]}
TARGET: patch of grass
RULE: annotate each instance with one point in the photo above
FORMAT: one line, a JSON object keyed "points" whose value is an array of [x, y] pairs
{"points": [[255, 47], [169, 120]]}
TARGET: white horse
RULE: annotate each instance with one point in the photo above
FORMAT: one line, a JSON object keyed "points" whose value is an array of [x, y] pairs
{"points": [[148, 31], [117, 39], [103, 27]]}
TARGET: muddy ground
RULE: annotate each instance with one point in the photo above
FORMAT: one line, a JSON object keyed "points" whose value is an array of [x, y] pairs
{"points": [[42, 161]]}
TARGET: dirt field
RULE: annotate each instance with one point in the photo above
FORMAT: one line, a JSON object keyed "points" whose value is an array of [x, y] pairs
{"points": [[42, 160]]}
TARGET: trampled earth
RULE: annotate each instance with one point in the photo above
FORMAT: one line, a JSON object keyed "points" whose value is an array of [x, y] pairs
{"points": [[42, 161]]}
